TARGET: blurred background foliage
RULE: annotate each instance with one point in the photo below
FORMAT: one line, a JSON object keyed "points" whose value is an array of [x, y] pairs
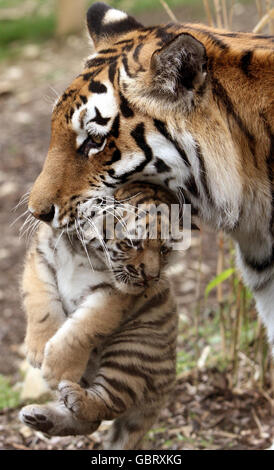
{"points": [[219, 328], [23, 21], [226, 332]]}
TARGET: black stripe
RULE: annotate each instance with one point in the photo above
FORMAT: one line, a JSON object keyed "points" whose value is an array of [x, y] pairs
{"points": [[136, 339], [220, 93], [125, 64], [99, 118], [120, 27], [115, 127], [161, 127], [230, 35], [117, 401], [124, 41], [44, 318], [122, 353], [127, 47], [137, 51], [112, 71], [119, 386], [97, 87], [203, 175], [245, 63], [138, 135], [88, 75], [116, 156], [132, 371], [109, 185], [107, 51], [98, 61], [162, 320], [154, 302], [215, 40], [83, 99], [260, 266], [124, 106], [161, 166], [102, 285], [191, 186]]}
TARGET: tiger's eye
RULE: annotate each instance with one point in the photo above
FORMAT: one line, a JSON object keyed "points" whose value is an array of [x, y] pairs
{"points": [[91, 142], [98, 139]]}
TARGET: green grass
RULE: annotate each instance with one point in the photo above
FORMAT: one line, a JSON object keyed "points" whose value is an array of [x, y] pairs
{"points": [[26, 29], [9, 398]]}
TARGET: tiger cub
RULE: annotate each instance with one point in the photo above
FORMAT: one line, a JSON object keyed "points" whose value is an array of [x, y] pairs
{"points": [[112, 327]]}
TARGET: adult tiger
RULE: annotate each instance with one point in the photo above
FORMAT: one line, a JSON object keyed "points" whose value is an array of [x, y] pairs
{"points": [[181, 105]]}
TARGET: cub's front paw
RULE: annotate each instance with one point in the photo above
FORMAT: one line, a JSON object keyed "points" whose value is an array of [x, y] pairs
{"points": [[34, 354], [61, 362]]}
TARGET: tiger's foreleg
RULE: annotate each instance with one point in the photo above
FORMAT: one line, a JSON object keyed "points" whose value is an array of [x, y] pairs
{"points": [[259, 277]]}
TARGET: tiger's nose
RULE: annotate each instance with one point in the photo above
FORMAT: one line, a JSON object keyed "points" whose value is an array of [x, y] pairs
{"points": [[44, 216]]}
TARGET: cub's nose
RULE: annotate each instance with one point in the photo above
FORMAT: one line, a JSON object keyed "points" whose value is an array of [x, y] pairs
{"points": [[44, 216]]}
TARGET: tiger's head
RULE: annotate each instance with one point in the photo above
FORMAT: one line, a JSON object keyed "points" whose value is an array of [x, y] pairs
{"points": [[117, 121]]}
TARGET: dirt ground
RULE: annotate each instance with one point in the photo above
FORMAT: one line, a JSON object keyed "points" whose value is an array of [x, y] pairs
{"points": [[204, 412]]}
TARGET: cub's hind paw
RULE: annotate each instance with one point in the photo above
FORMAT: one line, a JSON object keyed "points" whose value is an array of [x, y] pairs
{"points": [[79, 402], [36, 417], [73, 396]]}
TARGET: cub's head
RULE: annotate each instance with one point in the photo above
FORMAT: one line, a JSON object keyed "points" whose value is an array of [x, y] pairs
{"points": [[138, 264], [138, 245], [116, 122]]}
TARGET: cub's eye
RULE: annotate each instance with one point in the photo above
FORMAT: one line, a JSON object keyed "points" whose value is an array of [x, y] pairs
{"points": [[125, 245], [165, 250], [94, 143]]}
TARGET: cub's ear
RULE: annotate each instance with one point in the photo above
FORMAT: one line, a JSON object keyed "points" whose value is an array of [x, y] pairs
{"points": [[179, 67], [104, 21]]}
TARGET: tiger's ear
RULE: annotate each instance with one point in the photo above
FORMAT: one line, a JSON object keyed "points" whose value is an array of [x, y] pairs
{"points": [[178, 67], [104, 21]]}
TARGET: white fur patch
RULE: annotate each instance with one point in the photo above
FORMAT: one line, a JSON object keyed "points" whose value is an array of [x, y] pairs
{"points": [[113, 15], [165, 150], [128, 163], [107, 106]]}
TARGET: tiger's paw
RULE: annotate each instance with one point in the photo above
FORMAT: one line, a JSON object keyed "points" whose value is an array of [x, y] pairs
{"points": [[35, 358], [78, 401], [57, 364], [37, 417], [73, 396]]}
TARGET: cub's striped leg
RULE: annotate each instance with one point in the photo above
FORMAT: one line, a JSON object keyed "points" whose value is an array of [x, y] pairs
{"points": [[128, 431], [55, 419], [42, 304]]}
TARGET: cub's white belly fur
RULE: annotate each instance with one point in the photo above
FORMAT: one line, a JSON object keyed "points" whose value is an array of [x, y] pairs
{"points": [[75, 279], [76, 273]]}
